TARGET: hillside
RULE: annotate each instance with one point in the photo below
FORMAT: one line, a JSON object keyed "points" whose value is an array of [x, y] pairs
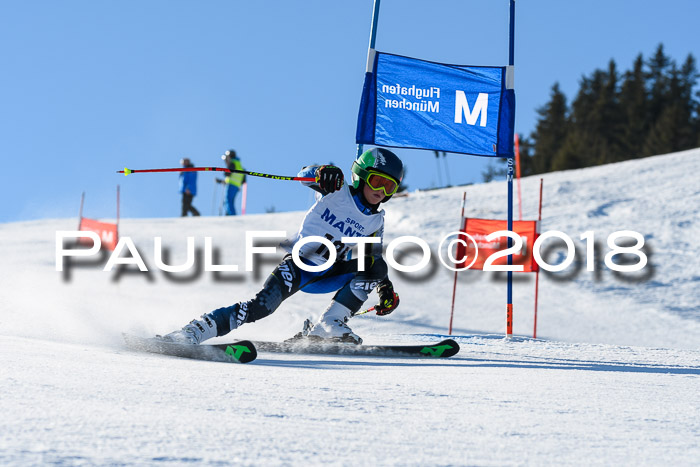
{"points": [[612, 378]]}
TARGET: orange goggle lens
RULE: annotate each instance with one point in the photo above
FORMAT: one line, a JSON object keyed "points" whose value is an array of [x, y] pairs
{"points": [[378, 181]]}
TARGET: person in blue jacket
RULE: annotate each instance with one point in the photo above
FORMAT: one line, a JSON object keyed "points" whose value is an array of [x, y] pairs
{"points": [[188, 188]]}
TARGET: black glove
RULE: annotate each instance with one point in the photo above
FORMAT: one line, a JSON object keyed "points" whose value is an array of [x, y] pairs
{"points": [[329, 178], [218, 180], [388, 299]]}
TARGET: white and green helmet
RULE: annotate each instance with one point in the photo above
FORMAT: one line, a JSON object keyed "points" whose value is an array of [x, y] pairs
{"points": [[377, 160]]}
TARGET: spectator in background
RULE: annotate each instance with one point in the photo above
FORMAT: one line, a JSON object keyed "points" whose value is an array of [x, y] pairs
{"points": [[233, 181], [188, 188]]}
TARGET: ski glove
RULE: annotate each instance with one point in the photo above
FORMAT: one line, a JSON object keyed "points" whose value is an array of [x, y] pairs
{"points": [[329, 178], [388, 299]]}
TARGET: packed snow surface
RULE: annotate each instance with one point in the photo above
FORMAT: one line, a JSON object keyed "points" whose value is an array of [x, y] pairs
{"points": [[612, 378]]}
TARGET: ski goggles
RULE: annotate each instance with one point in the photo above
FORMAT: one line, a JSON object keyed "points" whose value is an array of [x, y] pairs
{"points": [[379, 181]]}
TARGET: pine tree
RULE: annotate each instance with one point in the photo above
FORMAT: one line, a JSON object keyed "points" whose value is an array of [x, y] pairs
{"points": [[674, 129], [697, 119], [691, 107], [657, 101], [574, 152], [607, 120], [649, 110], [585, 140], [634, 109], [662, 137], [551, 130], [527, 162]]}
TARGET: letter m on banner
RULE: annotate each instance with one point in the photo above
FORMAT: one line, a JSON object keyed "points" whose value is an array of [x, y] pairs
{"points": [[411, 103]]}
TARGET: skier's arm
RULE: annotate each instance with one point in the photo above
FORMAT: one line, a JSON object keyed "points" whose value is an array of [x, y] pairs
{"points": [[329, 178]]}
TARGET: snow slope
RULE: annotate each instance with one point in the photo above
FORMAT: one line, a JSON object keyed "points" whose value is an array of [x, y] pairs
{"points": [[613, 377]]}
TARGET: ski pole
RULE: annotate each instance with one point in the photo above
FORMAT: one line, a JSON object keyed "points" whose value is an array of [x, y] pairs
{"points": [[127, 171], [363, 312]]}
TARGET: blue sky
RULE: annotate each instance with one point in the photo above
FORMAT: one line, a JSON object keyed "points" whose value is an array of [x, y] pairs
{"points": [[89, 87]]}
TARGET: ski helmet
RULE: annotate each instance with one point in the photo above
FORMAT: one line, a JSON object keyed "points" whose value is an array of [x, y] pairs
{"points": [[228, 155], [377, 160]]}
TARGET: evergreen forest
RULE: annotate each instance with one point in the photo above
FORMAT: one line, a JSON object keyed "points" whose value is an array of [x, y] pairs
{"points": [[617, 115]]}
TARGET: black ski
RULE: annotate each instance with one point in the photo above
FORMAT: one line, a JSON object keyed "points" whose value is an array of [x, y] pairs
{"points": [[240, 352], [443, 349]]}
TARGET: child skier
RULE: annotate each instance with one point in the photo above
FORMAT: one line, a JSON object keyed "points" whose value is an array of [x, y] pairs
{"points": [[340, 211]]}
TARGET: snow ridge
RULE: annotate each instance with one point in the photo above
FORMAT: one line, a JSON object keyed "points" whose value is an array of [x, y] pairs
{"points": [[612, 378]]}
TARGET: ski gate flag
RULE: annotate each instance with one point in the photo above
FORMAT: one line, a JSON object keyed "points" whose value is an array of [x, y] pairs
{"points": [[479, 229], [411, 103]]}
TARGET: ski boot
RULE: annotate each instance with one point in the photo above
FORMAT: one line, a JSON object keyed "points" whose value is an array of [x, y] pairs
{"points": [[332, 326], [304, 333], [197, 331]]}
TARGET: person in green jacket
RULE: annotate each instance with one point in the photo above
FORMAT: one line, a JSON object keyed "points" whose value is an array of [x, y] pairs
{"points": [[233, 181]]}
